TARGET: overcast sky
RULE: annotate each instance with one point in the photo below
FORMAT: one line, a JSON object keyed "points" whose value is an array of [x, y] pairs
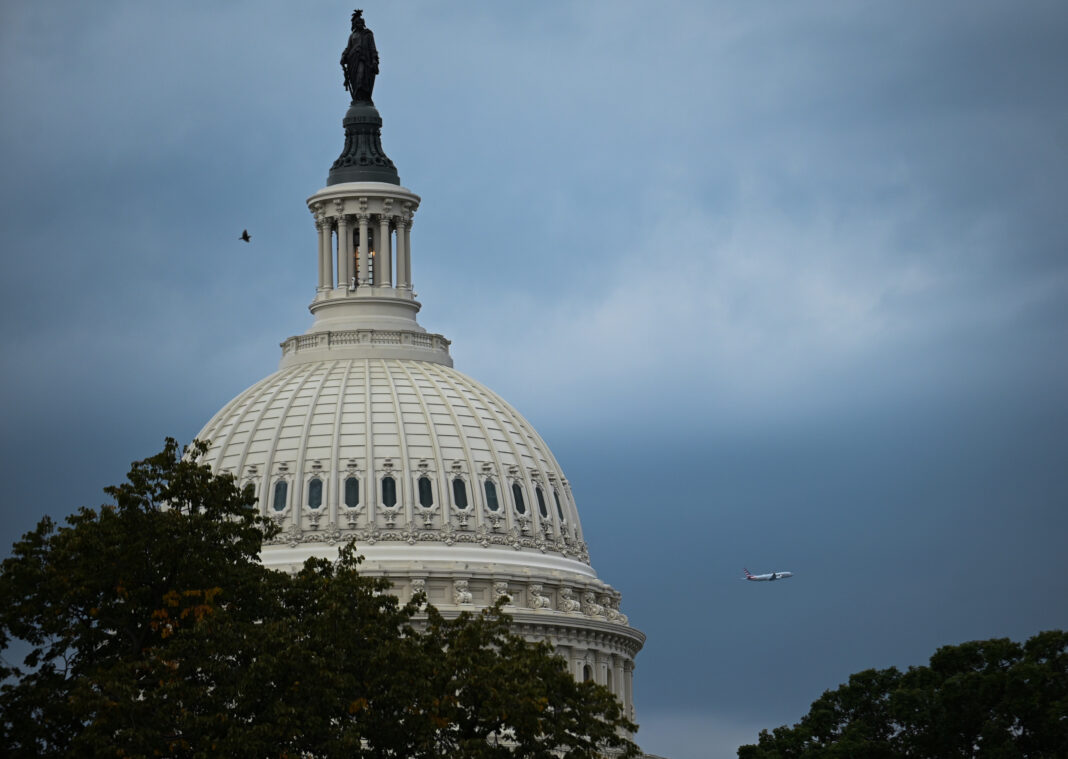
{"points": [[784, 286]]}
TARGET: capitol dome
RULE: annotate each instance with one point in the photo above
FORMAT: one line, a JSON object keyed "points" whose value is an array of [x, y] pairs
{"points": [[388, 450], [366, 433]]}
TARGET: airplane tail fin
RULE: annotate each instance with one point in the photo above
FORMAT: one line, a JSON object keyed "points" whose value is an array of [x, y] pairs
{"points": [[746, 572]]}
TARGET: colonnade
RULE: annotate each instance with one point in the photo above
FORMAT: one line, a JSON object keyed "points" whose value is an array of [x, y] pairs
{"points": [[359, 250], [611, 670]]}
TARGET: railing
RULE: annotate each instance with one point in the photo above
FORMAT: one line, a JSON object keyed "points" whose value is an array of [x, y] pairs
{"points": [[356, 337]]}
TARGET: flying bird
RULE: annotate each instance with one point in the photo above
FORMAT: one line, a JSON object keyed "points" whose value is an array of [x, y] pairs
{"points": [[245, 236]]}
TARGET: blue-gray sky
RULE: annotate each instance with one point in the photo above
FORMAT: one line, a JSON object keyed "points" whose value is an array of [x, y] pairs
{"points": [[782, 285]]}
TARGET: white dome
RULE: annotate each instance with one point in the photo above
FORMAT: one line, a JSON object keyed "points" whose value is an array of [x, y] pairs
{"points": [[326, 421], [332, 420]]}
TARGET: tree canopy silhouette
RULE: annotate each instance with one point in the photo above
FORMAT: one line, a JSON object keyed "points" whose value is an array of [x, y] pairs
{"points": [[990, 699], [149, 627]]}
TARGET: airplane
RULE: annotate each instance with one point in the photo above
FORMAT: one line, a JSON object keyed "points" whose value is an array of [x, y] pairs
{"points": [[767, 577]]}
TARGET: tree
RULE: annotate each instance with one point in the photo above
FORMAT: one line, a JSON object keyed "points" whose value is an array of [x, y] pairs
{"points": [[987, 699], [150, 628]]}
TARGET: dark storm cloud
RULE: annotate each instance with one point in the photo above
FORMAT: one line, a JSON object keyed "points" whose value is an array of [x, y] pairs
{"points": [[783, 287]]}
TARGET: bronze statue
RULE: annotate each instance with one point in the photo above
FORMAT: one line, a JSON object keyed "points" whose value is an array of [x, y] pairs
{"points": [[362, 159], [360, 60]]}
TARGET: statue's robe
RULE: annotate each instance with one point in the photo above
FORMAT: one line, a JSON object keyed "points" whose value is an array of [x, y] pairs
{"points": [[360, 60]]}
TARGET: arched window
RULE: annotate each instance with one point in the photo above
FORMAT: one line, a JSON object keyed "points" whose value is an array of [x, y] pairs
{"points": [[426, 493], [389, 492], [352, 492], [517, 495], [281, 489], [315, 493], [609, 682], [542, 509], [491, 496], [559, 511], [587, 673], [459, 493]]}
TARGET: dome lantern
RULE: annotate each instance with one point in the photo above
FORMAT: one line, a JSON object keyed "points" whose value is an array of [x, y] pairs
{"points": [[364, 301]]}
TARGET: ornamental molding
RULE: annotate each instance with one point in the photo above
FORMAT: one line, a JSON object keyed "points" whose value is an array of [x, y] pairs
{"points": [[611, 603], [332, 534], [352, 515], [537, 597], [426, 513], [500, 590], [536, 600], [495, 518], [530, 605], [390, 514], [625, 645], [461, 595], [590, 607], [394, 529], [568, 603]]}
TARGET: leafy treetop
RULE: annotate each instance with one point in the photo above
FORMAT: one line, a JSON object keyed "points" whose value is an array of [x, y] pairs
{"points": [[990, 699], [150, 629]]}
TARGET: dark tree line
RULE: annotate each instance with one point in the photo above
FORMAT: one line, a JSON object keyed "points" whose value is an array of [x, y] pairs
{"points": [[990, 699], [149, 628]]}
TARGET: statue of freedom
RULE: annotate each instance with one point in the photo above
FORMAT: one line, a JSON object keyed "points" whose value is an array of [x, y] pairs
{"points": [[360, 60]]}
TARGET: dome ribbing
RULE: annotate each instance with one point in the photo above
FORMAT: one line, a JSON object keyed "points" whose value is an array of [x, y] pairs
{"points": [[367, 419]]}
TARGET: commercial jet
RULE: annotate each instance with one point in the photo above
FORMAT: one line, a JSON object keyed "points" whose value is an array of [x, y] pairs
{"points": [[767, 577]]}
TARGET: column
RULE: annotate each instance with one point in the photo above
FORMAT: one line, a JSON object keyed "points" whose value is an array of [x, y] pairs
{"points": [[350, 252], [407, 251], [628, 689], [600, 670], [384, 254], [344, 252], [403, 277], [364, 266], [325, 262]]}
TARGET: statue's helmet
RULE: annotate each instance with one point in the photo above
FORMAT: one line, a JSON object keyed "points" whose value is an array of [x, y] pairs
{"points": [[357, 18]]}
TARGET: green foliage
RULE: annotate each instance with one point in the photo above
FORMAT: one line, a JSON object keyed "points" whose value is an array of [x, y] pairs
{"points": [[152, 630], [991, 699]]}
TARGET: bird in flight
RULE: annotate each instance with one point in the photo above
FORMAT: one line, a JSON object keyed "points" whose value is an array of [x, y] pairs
{"points": [[245, 236], [768, 577]]}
